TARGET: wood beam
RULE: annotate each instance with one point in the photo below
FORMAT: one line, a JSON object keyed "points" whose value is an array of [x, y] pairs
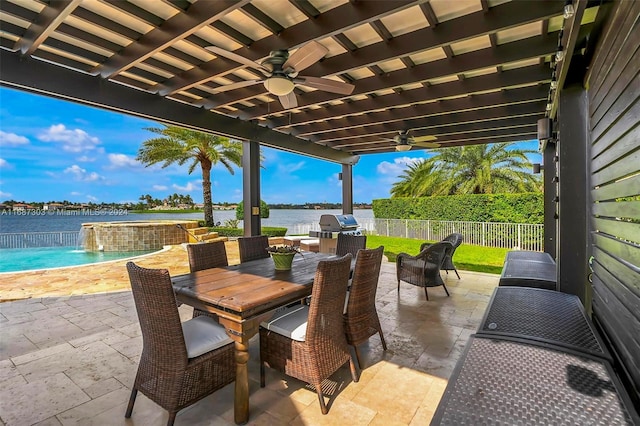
{"points": [[489, 57], [45, 24], [501, 17], [43, 78], [516, 77], [329, 23], [178, 27], [353, 125]]}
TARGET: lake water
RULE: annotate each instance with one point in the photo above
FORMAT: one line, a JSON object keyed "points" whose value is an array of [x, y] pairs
{"points": [[296, 221]]}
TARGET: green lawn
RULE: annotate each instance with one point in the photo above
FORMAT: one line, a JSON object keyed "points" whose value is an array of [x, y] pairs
{"points": [[466, 257]]}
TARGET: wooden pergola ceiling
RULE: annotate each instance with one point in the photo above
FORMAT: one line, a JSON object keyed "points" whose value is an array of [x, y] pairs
{"points": [[464, 71]]}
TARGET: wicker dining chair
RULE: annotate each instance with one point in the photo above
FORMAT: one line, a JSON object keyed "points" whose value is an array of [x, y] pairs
{"points": [[252, 248], [423, 270], [447, 263], [308, 342], [181, 363], [348, 243], [361, 317], [206, 256]]}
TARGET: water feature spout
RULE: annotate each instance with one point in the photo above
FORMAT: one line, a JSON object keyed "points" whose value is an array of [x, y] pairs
{"points": [[82, 238]]}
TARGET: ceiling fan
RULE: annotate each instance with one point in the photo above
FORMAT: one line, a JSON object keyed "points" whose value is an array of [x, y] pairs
{"points": [[404, 141], [281, 70]]}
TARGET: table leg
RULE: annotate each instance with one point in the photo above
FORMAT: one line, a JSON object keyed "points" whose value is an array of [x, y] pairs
{"points": [[241, 397]]}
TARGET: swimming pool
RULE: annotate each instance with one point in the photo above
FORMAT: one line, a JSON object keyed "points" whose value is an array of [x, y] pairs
{"points": [[13, 260]]}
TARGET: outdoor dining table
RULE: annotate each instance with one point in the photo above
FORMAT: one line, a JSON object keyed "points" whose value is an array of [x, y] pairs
{"points": [[243, 296]]}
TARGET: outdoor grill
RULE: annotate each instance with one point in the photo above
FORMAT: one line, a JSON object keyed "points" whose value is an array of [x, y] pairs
{"points": [[330, 226]]}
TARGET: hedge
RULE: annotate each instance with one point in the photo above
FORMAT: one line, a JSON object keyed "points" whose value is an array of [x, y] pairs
{"points": [[511, 208], [270, 231]]}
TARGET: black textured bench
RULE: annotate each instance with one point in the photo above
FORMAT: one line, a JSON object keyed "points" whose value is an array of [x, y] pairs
{"points": [[535, 359], [529, 269]]}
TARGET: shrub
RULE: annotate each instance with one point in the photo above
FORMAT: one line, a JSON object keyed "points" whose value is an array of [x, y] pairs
{"points": [[513, 208], [264, 210], [270, 231]]}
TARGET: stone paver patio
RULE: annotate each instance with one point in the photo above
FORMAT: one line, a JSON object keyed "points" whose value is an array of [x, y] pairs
{"points": [[69, 353]]}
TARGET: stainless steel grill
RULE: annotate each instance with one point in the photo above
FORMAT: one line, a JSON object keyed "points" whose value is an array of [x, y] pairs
{"points": [[333, 224]]}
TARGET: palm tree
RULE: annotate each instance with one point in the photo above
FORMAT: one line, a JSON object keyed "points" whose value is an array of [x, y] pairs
{"points": [[179, 145], [471, 169], [420, 179]]}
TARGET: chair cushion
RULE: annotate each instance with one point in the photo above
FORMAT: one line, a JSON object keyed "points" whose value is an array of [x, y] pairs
{"points": [[291, 322], [202, 334]]}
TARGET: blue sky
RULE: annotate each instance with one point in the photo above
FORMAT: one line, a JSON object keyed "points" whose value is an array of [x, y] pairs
{"points": [[53, 150]]}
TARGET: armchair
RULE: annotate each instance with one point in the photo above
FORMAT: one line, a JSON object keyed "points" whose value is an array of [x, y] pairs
{"points": [[423, 270], [447, 263]]}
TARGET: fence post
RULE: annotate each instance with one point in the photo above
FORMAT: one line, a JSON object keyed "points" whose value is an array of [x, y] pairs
{"points": [[484, 233], [519, 236], [406, 228], [428, 230], [387, 227]]}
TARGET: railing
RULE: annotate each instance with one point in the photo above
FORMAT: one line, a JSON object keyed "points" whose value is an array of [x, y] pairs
{"points": [[523, 236], [40, 239]]}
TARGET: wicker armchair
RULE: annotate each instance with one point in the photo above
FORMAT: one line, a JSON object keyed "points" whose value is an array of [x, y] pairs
{"points": [[252, 248], [423, 270], [181, 363], [447, 264], [361, 318], [350, 244], [308, 341], [206, 256]]}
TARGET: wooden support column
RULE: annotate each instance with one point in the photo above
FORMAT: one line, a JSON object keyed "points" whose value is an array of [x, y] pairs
{"points": [[573, 192], [347, 189], [251, 188]]}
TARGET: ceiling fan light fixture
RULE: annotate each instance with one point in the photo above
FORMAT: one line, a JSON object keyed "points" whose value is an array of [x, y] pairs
{"points": [[402, 147], [279, 86]]}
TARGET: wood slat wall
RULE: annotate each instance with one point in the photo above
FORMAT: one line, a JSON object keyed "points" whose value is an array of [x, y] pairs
{"points": [[614, 103]]}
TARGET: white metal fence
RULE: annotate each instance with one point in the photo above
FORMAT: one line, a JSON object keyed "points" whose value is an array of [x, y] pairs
{"points": [[39, 239], [523, 236]]}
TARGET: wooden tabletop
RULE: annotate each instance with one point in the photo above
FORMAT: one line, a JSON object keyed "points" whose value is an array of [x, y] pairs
{"points": [[250, 288]]}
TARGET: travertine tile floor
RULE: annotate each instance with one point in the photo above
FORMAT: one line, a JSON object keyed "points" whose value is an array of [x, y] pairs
{"points": [[68, 355]]}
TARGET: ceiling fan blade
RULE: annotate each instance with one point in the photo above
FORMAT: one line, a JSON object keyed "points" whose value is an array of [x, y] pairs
{"points": [[306, 56], [426, 138], [289, 101], [326, 85], [427, 144], [236, 85], [237, 58]]}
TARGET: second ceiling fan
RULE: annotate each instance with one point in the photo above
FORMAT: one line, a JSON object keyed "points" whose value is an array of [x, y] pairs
{"points": [[281, 70]]}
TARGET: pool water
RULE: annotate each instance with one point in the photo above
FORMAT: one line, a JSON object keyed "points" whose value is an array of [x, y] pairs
{"points": [[12, 260]]}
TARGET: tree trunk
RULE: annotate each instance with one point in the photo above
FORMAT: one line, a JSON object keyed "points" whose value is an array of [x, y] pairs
{"points": [[206, 193]]}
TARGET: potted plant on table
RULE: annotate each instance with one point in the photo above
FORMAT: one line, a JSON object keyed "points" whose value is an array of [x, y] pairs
{"points": [[282, 256]]}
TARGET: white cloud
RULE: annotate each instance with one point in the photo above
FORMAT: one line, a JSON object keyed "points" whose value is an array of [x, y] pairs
{"points": [[75, 140], [5, 194], [11, 139], [92, 198], [4, 164], [85, 159], [76, 193], [290, 167], [122, 160], [160, 187], [189, 187], [81, 174], [398, 166]]}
